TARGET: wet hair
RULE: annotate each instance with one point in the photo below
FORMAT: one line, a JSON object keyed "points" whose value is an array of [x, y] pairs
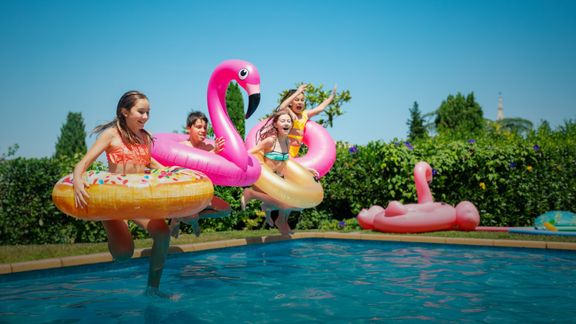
{"points": [[194, 116], [127, 102], [268, 129]]}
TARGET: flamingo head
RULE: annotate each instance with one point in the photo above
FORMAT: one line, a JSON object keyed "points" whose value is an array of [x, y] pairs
{"points": [[247, 76], [467, 216]]}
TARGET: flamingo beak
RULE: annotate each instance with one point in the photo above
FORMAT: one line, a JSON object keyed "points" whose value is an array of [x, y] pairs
{"points": [[253, 101], [253, 90]]}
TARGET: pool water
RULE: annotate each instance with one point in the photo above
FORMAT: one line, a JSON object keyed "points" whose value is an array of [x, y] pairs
{"points": [[308, 281]]}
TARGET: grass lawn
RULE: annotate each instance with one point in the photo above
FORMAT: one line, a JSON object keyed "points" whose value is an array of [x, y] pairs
{"points": [[20, 253]]}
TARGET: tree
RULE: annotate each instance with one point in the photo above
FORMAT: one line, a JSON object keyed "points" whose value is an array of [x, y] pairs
{"points": [[417, 130], [459, 115], [11, 152], [315, 96], [515, 125], [235, 106], [72, 138]]}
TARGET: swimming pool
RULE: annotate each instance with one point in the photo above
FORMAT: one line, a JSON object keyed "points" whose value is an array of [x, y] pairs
{"points": [[308, 280]]}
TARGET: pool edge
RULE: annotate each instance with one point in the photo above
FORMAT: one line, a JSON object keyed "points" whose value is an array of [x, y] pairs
{"points": [[68, 261]]}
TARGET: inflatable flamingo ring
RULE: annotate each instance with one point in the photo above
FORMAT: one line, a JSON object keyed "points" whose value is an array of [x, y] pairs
{"points": [[425, 216], [233, 166], [298, 188]]}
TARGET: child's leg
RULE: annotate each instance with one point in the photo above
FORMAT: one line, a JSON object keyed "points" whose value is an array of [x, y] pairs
{"points": [[161, 241], [120, 241], [174, 227], [192, 221], [282, 222], [250, 194], [268, 209], [218, 208]]}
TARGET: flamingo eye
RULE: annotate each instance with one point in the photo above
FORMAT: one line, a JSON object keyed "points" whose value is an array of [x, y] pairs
{"points": [[243, 74]]}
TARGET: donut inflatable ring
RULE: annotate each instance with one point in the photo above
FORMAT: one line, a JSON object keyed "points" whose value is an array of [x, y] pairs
{"points": [[162, 193]]}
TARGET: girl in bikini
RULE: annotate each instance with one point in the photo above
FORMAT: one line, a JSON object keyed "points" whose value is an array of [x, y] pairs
{"points": [[295, 101], [127, 145], [273, 142]]}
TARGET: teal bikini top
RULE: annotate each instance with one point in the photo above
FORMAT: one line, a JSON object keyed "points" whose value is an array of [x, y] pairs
{"points": [[275, 155]]}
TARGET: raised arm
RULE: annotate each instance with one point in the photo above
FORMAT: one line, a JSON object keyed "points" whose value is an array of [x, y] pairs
{"points": [[288, 100], [320, 108]]}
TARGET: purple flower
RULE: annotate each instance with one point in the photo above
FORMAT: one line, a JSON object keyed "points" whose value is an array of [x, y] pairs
{"points": [[536, 147], [341, 224], [353, 149], [512, 165], [434, 172], [471, 141], [409, 146]]}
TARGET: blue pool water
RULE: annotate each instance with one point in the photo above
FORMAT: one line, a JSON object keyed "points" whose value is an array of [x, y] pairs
{"points": [[308, 281]]}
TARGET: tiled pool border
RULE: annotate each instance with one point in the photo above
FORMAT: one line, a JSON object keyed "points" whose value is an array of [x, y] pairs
{"points": [[44, 264]]}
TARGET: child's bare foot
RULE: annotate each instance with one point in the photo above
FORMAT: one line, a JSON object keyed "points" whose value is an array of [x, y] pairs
{"points": [[195, 227], [245, 198], [156, 293], [282, 225], [174, 227], [192, 220]]}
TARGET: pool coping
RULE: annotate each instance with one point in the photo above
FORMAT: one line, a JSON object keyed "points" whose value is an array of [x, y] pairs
{"points": [[69, 261]]}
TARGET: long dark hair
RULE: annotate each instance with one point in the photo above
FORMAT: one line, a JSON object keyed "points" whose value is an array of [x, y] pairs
{"points": [[127, 101], [268, 128]]}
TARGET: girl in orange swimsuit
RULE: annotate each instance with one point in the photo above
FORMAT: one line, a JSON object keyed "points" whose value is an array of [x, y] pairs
{"points": [[127, 145], [296, 102]]}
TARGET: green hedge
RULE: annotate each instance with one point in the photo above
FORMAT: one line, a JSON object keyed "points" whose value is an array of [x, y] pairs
{"points": [[27, 214], [509, 178]]}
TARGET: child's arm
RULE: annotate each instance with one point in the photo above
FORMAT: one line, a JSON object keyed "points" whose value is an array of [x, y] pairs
{"points": [[288, 100], [262, 145], [80, 185], [320, 108], [218, 145], [155, 164]]}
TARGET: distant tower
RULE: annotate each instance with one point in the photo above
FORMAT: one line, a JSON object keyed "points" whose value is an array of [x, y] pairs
{"points": [[500, 115]]}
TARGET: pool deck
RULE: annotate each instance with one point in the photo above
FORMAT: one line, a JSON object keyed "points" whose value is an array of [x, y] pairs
{"points": [[106, 257]]}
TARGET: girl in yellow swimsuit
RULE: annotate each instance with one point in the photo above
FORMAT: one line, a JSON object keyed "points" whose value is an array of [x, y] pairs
{"points": [[127, 145], [296, 102]]}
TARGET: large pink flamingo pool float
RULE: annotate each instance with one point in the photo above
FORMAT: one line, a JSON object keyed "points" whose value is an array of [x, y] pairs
{"points": [[233, 166], [425, 216]]}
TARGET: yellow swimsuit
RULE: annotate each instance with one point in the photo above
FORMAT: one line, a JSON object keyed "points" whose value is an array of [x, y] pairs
{"points": [[298, 124]]}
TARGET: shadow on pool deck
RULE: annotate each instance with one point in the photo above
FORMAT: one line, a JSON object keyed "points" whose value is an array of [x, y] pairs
{"points": [[182, 248]]}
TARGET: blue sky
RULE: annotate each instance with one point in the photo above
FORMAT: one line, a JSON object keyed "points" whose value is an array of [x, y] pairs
{"points": [[60, 56]]}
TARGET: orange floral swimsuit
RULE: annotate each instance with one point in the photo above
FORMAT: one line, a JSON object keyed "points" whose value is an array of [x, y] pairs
{"points": [[137, 154]]}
